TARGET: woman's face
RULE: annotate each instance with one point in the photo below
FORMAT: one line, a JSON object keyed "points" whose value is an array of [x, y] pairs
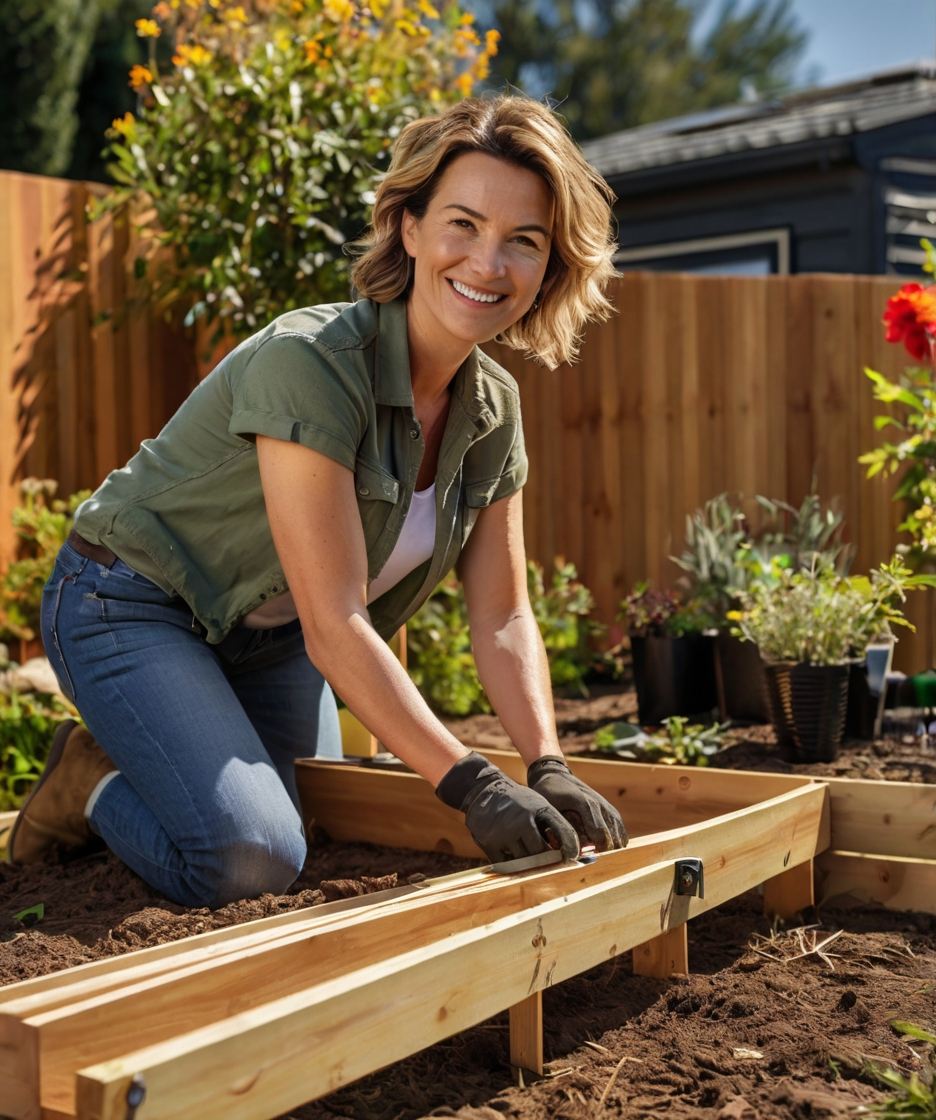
{"points": [[481, 248]]}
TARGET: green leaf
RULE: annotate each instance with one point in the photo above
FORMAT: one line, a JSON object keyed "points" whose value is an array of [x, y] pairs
{"points": [[31, 915]]}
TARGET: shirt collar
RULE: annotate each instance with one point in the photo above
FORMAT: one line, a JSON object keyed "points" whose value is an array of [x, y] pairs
{"points": [[392, 384]]}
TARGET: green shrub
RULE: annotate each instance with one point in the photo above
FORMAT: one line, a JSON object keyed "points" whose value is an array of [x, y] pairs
{"points": [[254, 157], [28, 723], [42, 523], [678, 743], [821, 617], [439, 643]]}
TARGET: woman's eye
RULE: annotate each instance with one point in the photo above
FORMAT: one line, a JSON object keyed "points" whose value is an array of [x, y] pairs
{"points": [[463, 222]]}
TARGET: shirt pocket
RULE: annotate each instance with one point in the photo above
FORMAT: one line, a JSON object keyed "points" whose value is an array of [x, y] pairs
{"points": [[377, 495]]}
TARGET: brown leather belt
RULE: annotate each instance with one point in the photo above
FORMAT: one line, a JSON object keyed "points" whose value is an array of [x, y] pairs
{"points": [[99, 553]]}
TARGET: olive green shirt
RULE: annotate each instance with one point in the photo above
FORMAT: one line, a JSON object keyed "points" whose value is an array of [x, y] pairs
{"points": [[188, 512]]}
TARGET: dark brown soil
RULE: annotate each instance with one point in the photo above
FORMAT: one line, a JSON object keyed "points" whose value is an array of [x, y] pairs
{"points": [[97, 907], [895, 758], [745, 1037]]}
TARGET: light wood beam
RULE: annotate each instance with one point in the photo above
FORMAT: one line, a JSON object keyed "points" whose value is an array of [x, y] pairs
{"points": [[664, 955], [526, 1034], [790, 893]]}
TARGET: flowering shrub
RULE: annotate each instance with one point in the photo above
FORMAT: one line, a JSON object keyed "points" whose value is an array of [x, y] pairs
{"points": [[254, 158], [910, 318], [821, 617]]}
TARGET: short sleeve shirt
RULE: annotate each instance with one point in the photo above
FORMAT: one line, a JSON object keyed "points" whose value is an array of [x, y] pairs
{"points": [[188, 511]]}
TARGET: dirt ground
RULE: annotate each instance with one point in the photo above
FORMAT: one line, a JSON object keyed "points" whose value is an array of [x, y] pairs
{"points": [[763, 1028]]}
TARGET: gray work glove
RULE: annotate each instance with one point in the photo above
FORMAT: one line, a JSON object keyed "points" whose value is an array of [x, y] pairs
{"points": [[506, 820], [591, 814]]}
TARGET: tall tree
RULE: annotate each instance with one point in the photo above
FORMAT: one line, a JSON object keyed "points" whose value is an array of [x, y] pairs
{"points": [[614, 64], [44, 45]]}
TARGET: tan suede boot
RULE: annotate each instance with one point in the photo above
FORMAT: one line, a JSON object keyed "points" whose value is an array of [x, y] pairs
{"points": [[53, 814]]}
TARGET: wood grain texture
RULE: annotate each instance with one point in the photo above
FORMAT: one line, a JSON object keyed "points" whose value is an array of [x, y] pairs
{"points": [[789, 894], [526, 1034], [739, 850], [898, 884], [664, 955]]}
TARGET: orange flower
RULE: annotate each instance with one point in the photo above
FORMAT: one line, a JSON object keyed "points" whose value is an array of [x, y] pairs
{"points": [[140, 76], [148, 29], [194, 55], [491, 39], [911, 318], [162, 10]]}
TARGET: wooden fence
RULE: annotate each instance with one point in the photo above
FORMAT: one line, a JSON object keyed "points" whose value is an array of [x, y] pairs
{"points": [[699, 384]]}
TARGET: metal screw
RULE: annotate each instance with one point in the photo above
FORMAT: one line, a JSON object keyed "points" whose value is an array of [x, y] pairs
{"points": [[136, 1095]]}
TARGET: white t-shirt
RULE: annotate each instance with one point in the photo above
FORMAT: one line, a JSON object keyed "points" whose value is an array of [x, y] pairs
{"points": [[414, 546]]}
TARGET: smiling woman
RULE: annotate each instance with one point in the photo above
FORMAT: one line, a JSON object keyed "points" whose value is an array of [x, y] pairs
{"points": [[305, 501]]}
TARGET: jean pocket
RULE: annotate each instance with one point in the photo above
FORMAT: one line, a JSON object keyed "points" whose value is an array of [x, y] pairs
{"points": [[51, 602]]}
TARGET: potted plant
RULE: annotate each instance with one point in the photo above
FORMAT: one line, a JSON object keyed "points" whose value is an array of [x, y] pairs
{"points": [[674, 667], [810, 626], [723, 558]]}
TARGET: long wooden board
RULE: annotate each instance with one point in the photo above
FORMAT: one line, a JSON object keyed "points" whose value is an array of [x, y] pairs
{"points": [[41, 1050], [884, 818], [891, 881], [400, 809], [268, 1060]]}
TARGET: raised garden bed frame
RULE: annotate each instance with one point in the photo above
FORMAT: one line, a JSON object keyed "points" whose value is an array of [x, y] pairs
{"points": [[248, 1022]]}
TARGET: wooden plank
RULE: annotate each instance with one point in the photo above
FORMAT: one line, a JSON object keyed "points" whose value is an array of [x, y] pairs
{"points": [[663, 955], [526, 1034], [274, 1057], [738, 848], [788, 895], [883, 818], [898, 884], [401, 810]]}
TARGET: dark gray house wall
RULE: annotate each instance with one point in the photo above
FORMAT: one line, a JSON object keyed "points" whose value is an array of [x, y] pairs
{"points": [[833, 180]]}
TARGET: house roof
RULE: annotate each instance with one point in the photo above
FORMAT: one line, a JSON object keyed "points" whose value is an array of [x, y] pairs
{"points": [[820, 114]]}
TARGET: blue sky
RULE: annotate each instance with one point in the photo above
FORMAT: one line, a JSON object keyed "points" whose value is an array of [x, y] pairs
{"points": [[852, 37]]}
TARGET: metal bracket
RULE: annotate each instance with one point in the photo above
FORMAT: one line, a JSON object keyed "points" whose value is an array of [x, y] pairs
{"points": [[136, 1095], [689, 879]]}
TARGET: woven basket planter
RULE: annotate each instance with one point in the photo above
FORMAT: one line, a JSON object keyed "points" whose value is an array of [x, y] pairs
{"points": [[808, 705]]}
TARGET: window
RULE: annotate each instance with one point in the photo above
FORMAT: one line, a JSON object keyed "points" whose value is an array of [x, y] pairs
{"points": [[759, 253]]}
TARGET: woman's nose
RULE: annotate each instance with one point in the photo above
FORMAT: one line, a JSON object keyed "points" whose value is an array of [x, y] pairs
{"points": [[487, 260]]}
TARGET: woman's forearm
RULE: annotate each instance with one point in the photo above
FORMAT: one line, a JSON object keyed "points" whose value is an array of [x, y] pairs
{"points": [[513, 669], [361, 668]]}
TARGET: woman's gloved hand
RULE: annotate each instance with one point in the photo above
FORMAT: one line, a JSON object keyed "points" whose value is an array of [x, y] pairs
{"points": [[506, 820], [591, 814]]}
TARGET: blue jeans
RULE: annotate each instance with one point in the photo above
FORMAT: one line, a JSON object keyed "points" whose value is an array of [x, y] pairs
{"points": [[205, 808]]}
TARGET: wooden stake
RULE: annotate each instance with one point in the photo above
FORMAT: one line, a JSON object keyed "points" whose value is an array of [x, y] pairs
{"points": [[526, 1034], [661, 956], [790, 893]]}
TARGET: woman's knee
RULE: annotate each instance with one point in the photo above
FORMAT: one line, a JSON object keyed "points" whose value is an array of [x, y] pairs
{"points": [[258, 860]]}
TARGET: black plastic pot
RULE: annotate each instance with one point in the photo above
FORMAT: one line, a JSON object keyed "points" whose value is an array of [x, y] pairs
{"points": [[674, 677], [742, 682], [808, 704]]}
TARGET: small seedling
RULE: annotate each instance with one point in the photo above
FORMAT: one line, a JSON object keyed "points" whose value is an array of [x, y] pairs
{"points": [[679, 743], [31, 915], [914, 1096]]}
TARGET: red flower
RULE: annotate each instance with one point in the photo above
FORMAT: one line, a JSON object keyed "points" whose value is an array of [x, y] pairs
{"points": [[911, 318]]}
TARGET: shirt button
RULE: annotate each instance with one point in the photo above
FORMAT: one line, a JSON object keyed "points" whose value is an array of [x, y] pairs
{"points": [[414, 433], [273, 590], [363, 491]]}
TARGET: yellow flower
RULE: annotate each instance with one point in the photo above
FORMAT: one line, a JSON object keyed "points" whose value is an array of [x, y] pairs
{"points": [[236, 15], [467, 19], [379, 8], [124, 124], [191, 56], [924, 513], [338, 11], [140, 76], [427, 9], [148, 29], [295, 9], [491, 39], [465, 83], [406, 26], [734, 616]]}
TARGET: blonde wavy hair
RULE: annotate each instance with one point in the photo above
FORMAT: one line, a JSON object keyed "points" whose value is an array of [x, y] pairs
{"points": [[526, 133]]}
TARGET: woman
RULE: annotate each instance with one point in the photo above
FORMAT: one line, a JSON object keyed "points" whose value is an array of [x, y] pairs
{"points": [[301, 504]]}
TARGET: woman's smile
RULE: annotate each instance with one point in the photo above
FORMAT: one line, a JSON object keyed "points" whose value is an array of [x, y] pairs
{"points": [[474, 294]]}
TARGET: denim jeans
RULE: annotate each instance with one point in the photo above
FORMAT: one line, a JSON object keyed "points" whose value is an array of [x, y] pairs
{"points": [[205, 737]]}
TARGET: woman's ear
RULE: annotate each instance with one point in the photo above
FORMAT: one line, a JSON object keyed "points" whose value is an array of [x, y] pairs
{"points": [[409, 224]]}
